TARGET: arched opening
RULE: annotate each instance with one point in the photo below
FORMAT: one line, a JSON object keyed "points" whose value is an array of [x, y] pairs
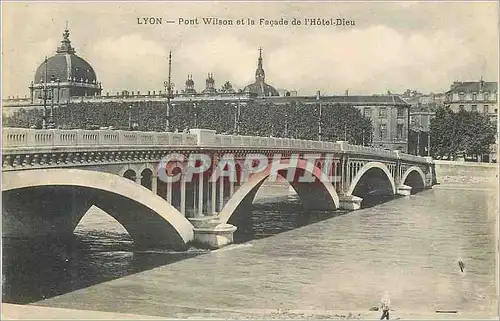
{"points": [[147, 178], [264, 205], [43, 208], [374, 187], [415, 181], [130, 174]]}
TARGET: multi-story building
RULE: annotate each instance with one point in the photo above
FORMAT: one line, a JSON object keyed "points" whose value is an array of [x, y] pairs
{"points": [[389, 113], [480, 96]]}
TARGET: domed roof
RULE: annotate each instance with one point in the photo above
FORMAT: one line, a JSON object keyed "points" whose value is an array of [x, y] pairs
{"points": [[210, 79], [65, 65], [260, 87], [190, 81]]}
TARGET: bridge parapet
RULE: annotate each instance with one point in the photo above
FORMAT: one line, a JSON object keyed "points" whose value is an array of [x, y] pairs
{"points": [[20, 137]]}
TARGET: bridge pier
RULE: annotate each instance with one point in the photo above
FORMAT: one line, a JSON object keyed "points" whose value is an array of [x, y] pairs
{"points": [[404, 190], [350, 202]]}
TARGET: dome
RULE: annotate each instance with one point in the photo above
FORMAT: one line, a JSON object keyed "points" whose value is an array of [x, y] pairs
{"points": [[210, 79], [74, 76], [66, 67], [190, 81], [260, 87]]}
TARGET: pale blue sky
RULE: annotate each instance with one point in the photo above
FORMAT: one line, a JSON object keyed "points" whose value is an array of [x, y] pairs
{"points": [[393, 45]]}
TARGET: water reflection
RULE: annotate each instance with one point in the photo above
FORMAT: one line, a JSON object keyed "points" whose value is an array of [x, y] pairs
{"points": [[38, 269]]}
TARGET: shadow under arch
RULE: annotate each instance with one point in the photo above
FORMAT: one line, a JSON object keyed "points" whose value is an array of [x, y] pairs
{"points": [[51, 202], [147, 178], [317, 195], [373, 183], [130, 174], [415, 178]]}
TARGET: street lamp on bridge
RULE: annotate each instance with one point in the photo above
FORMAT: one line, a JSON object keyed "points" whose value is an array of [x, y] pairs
{"points": [[129, 117], [168, 91], [51, 124], [45, 94], [320, 114], [195, 109], [237, 116]]}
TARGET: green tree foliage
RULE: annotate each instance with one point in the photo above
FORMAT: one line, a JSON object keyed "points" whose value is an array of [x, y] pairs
{"points": [[462, 133], [260, 118]]}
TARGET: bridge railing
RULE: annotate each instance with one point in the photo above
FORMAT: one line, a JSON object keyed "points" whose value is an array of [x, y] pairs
{"points": [[20, 137]]}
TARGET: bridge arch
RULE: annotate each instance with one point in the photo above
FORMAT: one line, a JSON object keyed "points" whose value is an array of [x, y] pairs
{"points": [[315, 195], [377, 169], [414, 177], [51, 202]]}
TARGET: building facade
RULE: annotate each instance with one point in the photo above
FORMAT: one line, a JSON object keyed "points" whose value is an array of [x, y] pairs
{"points": [[480, 96]]}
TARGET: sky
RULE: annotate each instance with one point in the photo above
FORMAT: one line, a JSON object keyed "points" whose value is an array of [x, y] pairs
{"points": [[392, 45]]}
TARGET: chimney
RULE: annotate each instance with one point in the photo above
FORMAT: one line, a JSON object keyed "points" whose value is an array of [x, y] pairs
{"points": [[318, 94], [347, 92]]}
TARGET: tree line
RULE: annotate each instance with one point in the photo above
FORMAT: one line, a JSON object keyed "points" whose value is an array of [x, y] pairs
{"points": [[292, 120], [461, 134]]}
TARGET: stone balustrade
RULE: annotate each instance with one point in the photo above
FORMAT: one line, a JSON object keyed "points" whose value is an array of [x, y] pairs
{"points": [[20, 138], [28, 138]]}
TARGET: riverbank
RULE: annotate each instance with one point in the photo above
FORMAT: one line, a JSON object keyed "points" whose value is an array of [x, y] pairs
{"points": [[481, 175], [23, 312]]}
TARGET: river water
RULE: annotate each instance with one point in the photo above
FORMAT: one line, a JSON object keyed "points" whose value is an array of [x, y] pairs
{"points": [[286, 258]]}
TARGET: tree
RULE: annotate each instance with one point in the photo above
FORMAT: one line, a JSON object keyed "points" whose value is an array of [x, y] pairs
{"points": [[466, 133]]}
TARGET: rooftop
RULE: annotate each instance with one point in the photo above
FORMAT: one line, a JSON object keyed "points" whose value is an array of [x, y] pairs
{"points": [[474, 86]]}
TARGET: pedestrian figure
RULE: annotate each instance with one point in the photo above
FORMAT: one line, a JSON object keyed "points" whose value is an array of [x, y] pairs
{"points": [[385, 307], [461, 266]]}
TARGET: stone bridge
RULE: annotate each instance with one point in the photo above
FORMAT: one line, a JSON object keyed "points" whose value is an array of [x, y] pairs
{"points": [[51, 178]]}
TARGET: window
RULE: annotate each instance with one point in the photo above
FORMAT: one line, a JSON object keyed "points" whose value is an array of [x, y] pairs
{"points": [[474, 97], [461, 107], [382, 112], [401, 112], [367, 112], [486, 109], [399, 131], [474, 108], [382, 131], [486, 96], [461, 96]]}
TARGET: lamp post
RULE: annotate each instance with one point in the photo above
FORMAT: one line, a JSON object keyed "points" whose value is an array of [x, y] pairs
{"points": [[129, 117], [58, 96], [51, 124], [237, 115], [168, 90], [195, 108], [429, 142], [286, 124], [418, 141], [320, 132], [44, 95]]}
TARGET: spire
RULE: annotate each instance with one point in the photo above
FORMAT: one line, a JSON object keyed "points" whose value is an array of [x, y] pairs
{"points": [[260, 75], [65, 42]]}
